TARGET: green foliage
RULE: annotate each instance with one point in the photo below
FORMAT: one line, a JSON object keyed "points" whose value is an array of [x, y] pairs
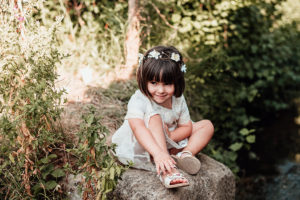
{"points": [[92, 32], [29, 105], [95, 158], [243, 64], [34, 153]]}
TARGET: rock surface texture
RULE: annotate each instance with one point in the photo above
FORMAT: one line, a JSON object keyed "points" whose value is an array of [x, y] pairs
{"points": [[214, 181]]}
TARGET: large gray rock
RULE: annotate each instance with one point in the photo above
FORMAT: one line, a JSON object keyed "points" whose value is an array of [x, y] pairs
{"points": [[214, 181]]}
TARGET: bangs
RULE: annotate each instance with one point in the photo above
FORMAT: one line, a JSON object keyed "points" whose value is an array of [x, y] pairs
{"points": [[162, 71]]}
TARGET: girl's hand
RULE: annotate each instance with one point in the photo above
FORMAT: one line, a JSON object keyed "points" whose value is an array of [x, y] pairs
{"points": [[164, 162]]}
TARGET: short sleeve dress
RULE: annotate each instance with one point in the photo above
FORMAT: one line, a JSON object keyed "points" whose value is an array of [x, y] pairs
{"points": [[139, 106]]}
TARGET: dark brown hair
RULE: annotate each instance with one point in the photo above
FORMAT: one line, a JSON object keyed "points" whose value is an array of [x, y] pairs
{"points": [[163, 69]]}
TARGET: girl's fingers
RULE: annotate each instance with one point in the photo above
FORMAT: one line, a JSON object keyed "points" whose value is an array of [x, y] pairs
{"points": [[157, 169], [173, 161], [170, 163], [162, 167], [168, 167]]}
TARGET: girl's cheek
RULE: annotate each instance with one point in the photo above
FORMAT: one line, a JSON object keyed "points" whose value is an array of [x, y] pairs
{"points": [[171, 87]]}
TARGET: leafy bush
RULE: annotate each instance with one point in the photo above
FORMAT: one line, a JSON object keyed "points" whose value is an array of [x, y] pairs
{"points": [[242, 64], [242, 56], [29, 104], [93, 32], [34, 154], [95, 159]]}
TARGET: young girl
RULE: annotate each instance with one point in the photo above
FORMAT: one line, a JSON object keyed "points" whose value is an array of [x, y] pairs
{"points": [[157, 125]]}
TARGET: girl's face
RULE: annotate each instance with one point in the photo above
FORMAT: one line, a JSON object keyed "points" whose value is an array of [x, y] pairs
{"points": [[161, 93]]}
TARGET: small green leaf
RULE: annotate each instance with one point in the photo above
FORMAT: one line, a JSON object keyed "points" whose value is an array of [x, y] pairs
{"points": [[58, 173], [11, 158], [45, 160], [244, 131], [50, 185], [250, 138], [252, 155], [36, 188], [52, 156], [176, 18], [118, 169], [46, 170], [112, 173], [236, 146], [90, 119], [232, 155]]}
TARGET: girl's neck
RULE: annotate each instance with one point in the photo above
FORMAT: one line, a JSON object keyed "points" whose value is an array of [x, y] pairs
{"points": [[167, 104]]}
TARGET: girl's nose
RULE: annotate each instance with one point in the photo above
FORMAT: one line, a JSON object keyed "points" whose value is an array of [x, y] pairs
{"points": [[160, 89]]}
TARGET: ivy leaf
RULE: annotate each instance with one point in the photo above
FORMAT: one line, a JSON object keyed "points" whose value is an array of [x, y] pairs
{"points": [[250, 138], [244, 131], [236, 146]]}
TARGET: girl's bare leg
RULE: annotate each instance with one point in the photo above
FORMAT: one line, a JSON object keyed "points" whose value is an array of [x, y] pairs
{"points": [[201, 134], [156, 128]]}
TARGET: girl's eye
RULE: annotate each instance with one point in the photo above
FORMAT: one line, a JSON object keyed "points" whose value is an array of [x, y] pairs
{"points": [[153, 82]]}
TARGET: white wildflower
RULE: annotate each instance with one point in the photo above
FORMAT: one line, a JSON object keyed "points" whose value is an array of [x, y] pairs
{"points": [[141, 57], [154, 54], [183, 68], [175, 57], [59, 18]]}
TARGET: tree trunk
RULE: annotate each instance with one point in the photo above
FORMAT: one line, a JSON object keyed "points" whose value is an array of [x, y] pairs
{"points": [[132, 42]]}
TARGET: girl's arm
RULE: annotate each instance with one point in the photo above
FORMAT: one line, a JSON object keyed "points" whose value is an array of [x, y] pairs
{"points": [[181, 132], [162, 159], [185, 127]]}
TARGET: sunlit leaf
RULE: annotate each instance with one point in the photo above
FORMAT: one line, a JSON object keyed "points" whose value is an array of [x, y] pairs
{"points": [[236, 146], [250, 138]]}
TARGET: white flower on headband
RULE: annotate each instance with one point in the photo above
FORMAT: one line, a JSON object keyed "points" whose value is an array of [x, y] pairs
{"points": [[154, 54], [141, 57], [175, 57], [183, 68]]}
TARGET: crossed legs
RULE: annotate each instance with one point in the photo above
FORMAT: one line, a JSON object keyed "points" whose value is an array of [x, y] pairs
{"points": [[156, 128], [202, 132]]}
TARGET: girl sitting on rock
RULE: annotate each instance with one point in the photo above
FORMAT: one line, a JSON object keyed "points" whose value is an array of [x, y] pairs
{"points": [[157, 125]]}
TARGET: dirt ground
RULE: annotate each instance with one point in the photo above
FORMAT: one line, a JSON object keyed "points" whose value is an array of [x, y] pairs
{"points": [[107, 95]]}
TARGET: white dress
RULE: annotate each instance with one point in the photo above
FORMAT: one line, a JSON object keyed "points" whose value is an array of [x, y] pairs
{"points": [[139, 106]]}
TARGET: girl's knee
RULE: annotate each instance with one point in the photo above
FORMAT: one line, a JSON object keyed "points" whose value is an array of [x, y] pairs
{"points": [[207, 123]]}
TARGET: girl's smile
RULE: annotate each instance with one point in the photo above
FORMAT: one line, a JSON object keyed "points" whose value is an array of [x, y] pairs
{"points": [[161, 93]]}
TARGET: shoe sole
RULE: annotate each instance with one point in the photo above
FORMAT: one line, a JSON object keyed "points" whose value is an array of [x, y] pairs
{"points": [[189, 164]]}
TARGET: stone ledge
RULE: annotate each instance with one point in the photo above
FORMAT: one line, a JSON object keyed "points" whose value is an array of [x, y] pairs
{"points": [[214, 181]]}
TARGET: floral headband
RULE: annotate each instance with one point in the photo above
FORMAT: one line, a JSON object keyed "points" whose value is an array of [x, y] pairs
{"points": [[155, 54]]}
